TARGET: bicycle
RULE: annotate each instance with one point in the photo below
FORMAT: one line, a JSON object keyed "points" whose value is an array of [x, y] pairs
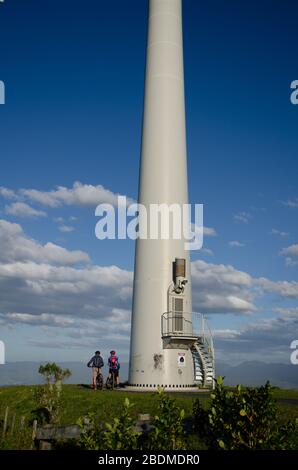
{"points": [[111, 381], [99, 381]]}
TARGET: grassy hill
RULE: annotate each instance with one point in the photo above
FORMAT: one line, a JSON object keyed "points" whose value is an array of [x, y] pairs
{"points": [[79, 400]]}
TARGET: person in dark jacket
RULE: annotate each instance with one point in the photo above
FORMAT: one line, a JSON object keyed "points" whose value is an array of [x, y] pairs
{"points": [[96, 362]]}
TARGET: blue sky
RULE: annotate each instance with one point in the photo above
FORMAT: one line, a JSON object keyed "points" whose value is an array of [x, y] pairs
{"points": [[74, 77]]}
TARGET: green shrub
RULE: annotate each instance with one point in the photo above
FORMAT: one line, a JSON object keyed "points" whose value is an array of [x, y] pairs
{"points": [[287, 437], [92, 432], [118, 435], [168, 431], [48, 396], [242, 420], [54, 374], [121, 434]]}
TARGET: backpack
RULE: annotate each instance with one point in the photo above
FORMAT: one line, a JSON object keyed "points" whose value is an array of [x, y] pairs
{"points": [[97, 361], [113, 362]]}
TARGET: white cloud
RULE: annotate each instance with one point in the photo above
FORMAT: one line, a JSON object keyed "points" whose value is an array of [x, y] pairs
{"points": [[220, 273], [236, 244], [266, 339], [225, 333], [80, 194], [43, 286], [291, 263], [66, 228], [221, 289], [287, 311], [17, 247], [244, 217], [207, 251], [90, 300], [21, 209], [46, 279], [275, 231], [37, 320], [291, 203], [209, 232], [7, 193], [224, 289], [285, 289], [290, 250], [258, 209]]}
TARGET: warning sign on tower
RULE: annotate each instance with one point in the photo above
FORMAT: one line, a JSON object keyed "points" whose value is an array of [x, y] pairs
{"points": [[181, 359]]}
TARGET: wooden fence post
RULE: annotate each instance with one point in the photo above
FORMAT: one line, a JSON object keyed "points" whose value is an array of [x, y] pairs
{"points": [[13, 423], [34, 428], [21, 437], [5, 422], [22, 424]]}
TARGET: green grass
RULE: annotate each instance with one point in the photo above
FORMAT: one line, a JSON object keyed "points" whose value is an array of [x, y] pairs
{"points": [[79, 400]]}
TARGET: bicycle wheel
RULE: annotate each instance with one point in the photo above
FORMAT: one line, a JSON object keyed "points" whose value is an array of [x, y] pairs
{"points": [[113, 380], [109, 383], [99, 382]]}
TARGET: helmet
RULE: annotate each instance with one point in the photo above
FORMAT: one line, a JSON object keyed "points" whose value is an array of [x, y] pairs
{"points": [[113, 352]]}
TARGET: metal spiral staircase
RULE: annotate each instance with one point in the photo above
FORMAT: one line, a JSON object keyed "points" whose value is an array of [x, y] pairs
{"points": [[193, 330]]}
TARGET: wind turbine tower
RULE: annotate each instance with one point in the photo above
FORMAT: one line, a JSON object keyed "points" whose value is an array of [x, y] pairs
{"points": [[170, 346]]}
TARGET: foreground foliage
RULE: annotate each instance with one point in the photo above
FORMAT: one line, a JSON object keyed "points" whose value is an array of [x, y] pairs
{"points": [[80, 400], [167, 431], [48, 396], [117, 435], [243, 419]]}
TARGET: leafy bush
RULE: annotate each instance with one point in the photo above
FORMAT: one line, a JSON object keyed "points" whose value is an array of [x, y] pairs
{"points": [[48, 404], [118, 435], [54, 374], [48, 396], [287, 437], [121, 434], [242, 420], [92, 432], [168, 431]]}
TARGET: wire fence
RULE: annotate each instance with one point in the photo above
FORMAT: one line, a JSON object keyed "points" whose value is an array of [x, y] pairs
{"points": [[16, 431]]}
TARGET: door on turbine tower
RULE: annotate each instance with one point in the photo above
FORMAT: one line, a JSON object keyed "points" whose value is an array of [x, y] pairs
{"points": [[177, 309]]}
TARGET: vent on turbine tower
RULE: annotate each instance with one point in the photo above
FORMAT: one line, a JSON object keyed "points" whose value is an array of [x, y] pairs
{"points": [[179, 267], [180, 280], [177, 304]]}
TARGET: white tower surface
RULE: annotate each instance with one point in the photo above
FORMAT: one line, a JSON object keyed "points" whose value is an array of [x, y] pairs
{"points": [[162, 340]]}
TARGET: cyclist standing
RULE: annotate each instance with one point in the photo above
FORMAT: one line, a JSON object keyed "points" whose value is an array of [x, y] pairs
{"points": [[114, 367], [96, 362]]}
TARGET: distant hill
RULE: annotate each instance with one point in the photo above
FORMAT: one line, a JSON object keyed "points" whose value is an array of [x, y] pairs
{"points": [[257, 373], [247, 373], [26, 373]]}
